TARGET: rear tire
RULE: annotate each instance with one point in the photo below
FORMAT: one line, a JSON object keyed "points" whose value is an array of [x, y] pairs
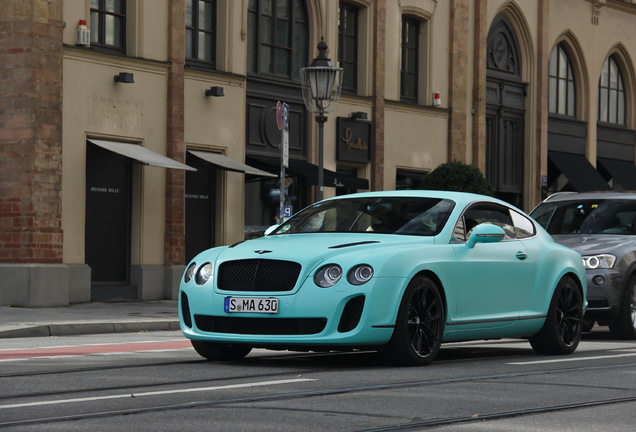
{"points": [[219, 351], [419, 326], [561, 332], [624, 327]]}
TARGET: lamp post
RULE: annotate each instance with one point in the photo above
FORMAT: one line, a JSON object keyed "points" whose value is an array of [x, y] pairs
{"points": [[321, 83]]}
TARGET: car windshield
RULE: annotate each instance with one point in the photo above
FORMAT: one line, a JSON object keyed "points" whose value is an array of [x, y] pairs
{"points": [[604, 216], [387, 215]]}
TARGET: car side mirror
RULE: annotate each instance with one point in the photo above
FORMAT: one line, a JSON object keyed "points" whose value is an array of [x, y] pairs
{"points": [[485, 233], [269, 230]]}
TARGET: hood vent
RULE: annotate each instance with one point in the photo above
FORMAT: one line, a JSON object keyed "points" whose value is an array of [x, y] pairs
{"points": [[353, 244]]}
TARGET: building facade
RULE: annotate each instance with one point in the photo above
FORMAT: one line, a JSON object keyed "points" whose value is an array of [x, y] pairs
{"points": [[135, 133]]}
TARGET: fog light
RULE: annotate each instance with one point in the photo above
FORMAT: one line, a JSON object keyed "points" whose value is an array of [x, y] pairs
{"points": [[598, 280]]}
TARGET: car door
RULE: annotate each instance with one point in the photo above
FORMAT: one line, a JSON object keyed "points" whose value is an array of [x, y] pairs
{"points": [[492, 279]]}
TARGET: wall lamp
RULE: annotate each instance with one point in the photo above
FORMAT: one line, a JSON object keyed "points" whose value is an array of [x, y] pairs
{"points": [[125, 78], [359, 115], [215, 91]]}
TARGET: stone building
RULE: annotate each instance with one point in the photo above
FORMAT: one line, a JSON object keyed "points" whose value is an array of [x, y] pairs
{"points": [[134, 133]]}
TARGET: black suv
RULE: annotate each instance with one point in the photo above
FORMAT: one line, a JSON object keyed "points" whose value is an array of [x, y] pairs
{"points": [[601, 226]]}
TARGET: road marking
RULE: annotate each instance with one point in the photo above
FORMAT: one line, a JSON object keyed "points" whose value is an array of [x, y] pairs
{"points": [[156, 393], [573, 359], [13, 354]]}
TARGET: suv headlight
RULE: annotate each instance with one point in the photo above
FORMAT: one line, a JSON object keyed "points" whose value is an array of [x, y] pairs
{"points": [[601, 261]]}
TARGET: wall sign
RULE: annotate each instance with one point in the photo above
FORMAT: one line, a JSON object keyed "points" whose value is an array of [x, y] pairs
{"points": [[354, 140]]}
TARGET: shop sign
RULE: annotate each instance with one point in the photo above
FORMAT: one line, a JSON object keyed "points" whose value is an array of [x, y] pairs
{"points": [[354, 140]]}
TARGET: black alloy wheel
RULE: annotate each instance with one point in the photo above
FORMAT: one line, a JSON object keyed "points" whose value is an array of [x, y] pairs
{"points": [[561, 332], [419, 327]]}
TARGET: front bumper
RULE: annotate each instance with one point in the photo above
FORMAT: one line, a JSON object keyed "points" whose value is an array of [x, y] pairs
{"points": [[343, 315], [603, 293]]}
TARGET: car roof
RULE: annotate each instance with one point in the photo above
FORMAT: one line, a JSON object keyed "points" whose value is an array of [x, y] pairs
{"points": [[577, 196], [462, 198]]}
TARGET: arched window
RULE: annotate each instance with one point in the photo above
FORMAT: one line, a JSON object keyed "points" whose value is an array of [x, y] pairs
{"points": [[611, 94], [562, 93], [277, 38]]}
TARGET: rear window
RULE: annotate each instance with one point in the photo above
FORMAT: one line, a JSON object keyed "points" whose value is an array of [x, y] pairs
{"points": [[588, 217]]}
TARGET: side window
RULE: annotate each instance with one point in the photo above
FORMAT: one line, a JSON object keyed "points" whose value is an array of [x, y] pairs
{"points": [[485, 213], [524, 227]]}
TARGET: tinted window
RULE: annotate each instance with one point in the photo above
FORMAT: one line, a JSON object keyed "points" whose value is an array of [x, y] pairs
{"points": [[408, 216], [485, 213], [588, 217]]}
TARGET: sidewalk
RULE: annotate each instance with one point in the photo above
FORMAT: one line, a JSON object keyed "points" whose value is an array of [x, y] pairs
{"points": [[89, 318]]}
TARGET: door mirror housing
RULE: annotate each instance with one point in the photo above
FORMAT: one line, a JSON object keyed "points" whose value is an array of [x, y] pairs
{"points": [[485, 233]]}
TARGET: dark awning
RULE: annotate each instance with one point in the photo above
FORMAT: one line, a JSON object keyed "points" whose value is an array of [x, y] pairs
{"points": [[228, 164], [140, 154], [579, 171], [310, 172], [623, 172]]}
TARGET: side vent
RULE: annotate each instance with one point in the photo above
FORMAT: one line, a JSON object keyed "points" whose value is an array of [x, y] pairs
{"points": [[351, 314], [185, 310]]}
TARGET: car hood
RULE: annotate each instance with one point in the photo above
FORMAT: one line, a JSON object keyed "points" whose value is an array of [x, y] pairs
{"points": [[587, 244], [312, 249]]}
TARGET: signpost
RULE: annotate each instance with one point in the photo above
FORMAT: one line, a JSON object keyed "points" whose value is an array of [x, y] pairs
{"points": [[282, 121]]}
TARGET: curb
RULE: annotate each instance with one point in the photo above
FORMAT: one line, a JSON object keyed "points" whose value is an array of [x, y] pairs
{"points": [[76, 329]]}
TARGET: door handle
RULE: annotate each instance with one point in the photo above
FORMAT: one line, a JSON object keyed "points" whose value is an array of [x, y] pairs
{"points": [[521, 255]]}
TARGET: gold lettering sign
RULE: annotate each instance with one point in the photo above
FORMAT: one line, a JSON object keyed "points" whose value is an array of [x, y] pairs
{"points": [[358, 144]]}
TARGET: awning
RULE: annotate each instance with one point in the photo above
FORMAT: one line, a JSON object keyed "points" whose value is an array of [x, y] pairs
{"points": [[228, 164], [140, 154], [579, 171], [310, 172], [623, 172]]}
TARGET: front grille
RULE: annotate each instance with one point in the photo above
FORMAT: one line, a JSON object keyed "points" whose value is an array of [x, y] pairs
{"points": [[258, 275], [185, 310], [260, 326]]}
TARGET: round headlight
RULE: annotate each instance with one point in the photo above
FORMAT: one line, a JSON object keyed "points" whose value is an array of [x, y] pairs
{"points": [[204, 274], [328, 275], [189, 273], [360, 274]]}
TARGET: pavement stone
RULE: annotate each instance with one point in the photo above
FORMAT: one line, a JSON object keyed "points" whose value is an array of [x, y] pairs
{"points": [[89, 318]]}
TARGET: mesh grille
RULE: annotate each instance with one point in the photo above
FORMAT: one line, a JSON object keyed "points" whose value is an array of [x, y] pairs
{"points": [[185, 310], [260, 326], [258, 275]]}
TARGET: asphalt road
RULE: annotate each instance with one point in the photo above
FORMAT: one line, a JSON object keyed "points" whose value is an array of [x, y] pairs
{"points": [[156, 382]]}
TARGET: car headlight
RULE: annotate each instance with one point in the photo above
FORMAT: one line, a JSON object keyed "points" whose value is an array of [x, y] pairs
{"points": [[360, 274], [328, 275], [601, 261], [189, 273], [204, 274]]}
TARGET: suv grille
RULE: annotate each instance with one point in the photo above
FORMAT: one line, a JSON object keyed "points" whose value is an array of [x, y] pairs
{"points": [[258, 275], [260, 326]]}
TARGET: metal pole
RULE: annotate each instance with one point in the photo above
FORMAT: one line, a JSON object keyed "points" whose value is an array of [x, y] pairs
{"points": [[321, 119]]}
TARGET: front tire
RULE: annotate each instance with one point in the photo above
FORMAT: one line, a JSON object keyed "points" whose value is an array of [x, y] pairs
{"points": [[419, 327], [561, 332], [219, 351], [624, 327]]}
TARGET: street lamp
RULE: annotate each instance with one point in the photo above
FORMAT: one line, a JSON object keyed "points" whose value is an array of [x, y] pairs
{"points": [[321, 84]]}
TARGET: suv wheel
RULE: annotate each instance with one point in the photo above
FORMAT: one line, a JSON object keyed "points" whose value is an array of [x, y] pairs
{"points": [[624, 327]]}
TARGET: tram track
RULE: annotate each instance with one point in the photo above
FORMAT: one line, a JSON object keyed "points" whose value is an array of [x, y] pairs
{"points": [[352, 390]]}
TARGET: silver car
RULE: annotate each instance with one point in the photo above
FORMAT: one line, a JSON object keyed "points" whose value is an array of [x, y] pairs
{"points": [[601, 226]]}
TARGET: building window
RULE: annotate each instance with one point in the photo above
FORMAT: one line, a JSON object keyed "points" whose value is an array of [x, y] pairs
{"points": [[562, 92], [348, 46], [201, 32], [611, 94], [409, 73], [108, 24], [277, 38]]}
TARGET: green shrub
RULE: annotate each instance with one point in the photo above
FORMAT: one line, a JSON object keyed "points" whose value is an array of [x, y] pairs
{"points": [[457, 176]]}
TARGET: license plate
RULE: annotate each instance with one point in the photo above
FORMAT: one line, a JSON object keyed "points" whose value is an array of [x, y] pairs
{"points": [[251, 304]]}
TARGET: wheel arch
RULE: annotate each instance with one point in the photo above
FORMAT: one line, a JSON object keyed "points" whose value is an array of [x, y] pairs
{"points": [[442, 291]]}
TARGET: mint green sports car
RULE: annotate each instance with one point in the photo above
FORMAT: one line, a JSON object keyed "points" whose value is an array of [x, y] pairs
{"points": [[399, 272]]}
